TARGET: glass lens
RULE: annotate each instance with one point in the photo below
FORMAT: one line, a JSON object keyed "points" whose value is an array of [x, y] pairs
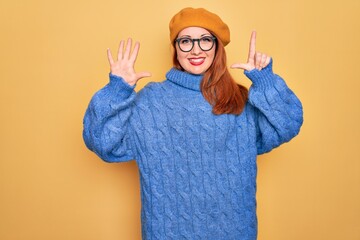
{"points": [[186, 44], [206, 43]]}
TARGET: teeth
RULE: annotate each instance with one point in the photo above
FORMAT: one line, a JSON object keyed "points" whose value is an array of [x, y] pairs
{"points": [[196, 60]]}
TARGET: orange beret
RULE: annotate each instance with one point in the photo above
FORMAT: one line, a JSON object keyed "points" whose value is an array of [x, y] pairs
{"points": [[199, 17]]}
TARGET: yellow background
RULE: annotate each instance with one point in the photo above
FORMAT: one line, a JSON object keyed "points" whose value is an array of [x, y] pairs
{"points": [[53, 59]]}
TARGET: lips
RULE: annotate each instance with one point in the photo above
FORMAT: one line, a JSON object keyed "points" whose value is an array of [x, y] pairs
{"points": [[196, 61]]}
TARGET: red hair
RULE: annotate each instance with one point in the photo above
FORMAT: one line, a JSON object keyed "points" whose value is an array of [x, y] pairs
{"points": [[218, 86]]}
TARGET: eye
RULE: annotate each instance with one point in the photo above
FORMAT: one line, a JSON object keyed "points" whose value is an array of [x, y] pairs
{"points": [[207, 39], [184, 40]]}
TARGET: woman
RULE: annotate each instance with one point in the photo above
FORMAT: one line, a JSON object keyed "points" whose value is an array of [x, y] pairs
{"points": [[196, 135]]}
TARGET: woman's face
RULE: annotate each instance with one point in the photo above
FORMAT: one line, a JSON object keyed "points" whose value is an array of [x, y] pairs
{"points": [[196, 61]]}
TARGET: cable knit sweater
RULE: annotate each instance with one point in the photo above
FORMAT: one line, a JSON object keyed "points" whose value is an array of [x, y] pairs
{"points": [[197, 170]]}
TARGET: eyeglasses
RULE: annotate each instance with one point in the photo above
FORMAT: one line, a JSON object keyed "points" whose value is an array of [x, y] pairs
{"points": [[205, 43]]}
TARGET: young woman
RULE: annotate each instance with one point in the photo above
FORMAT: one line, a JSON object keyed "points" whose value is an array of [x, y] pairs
{"points": [[196, 135]]}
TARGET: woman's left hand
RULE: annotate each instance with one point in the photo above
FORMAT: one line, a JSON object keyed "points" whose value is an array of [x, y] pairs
{"points": [[256, 59]]}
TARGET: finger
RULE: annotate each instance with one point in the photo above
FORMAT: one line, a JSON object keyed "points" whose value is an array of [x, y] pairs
{"points": [[135, 52], [109, 56], [258, 60], [120, 50], [128, 48], [263, 60], [244, 66], [143, 75], [252, 47], [267, 61]]}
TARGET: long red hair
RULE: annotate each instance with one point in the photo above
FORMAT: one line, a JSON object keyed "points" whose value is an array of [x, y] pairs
{"points": [[218, 86]]}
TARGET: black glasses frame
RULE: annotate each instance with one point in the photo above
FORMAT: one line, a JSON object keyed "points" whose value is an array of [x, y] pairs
{"points": [[196, 40]]}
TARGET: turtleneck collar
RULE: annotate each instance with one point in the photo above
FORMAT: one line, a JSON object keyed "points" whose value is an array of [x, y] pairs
{"points": [[184, 79]]}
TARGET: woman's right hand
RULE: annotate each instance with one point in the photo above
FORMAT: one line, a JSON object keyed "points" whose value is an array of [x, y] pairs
{"points": [[124, 65]]}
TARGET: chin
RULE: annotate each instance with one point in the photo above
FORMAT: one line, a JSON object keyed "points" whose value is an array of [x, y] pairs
{"points": [[196, 71]]}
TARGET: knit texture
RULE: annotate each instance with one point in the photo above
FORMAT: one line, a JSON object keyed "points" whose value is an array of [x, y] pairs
{"points": [[197, 170]]}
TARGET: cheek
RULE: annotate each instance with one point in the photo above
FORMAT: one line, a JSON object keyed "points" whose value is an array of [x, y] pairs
{"points": [[180, 55], [181, 58]]}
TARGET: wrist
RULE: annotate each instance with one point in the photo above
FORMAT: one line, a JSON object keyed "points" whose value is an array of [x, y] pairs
{"points": [[120, 86], [263, 78]]}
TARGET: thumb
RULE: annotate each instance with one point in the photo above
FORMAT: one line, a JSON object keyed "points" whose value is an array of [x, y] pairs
{"points": [[143, 75], [244, 66]]}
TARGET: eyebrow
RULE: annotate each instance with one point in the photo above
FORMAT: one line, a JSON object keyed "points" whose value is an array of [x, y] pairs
{"points": [[185, 36], [202, 35]]}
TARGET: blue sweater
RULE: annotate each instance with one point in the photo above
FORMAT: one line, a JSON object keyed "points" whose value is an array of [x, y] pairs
{"points": [[197, 170]]}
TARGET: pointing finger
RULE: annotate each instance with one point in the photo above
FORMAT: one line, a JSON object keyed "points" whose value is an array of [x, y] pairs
{"points": [[252, 47]]}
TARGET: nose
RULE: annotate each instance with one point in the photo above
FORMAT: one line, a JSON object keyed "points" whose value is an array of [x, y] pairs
{"points": [[196, 50]]}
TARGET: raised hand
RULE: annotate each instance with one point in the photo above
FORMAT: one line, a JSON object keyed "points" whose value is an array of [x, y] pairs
{"points": [[256, 60], [124, 65]]}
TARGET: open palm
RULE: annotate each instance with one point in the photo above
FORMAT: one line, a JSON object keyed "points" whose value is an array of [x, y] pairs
{"points": [[124, 65]]}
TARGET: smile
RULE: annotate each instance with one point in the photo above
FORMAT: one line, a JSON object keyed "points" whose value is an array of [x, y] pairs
{"points": [[196, 61]]}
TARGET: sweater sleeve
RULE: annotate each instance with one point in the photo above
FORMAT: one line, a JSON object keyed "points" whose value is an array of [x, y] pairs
{"points": [[278, 112], [107, 130]]}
